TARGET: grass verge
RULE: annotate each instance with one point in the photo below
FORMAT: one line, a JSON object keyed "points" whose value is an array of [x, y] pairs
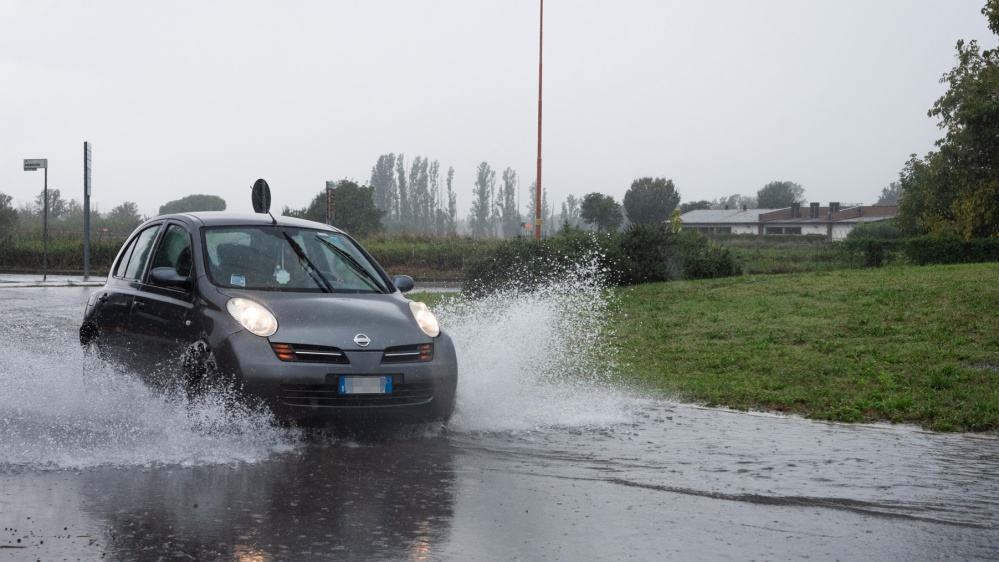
{"points": [[911, 344]]}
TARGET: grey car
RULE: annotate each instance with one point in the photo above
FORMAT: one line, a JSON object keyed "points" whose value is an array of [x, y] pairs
{"points": [[293, 313]]}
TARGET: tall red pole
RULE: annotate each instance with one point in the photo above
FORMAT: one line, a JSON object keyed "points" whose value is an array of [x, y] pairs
{"points": [[537, 202]]}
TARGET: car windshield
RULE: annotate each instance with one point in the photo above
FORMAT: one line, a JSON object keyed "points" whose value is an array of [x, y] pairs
{"points": [[278, 258]]}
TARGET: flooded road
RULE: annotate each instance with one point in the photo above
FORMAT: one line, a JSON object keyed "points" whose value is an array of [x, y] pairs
{"points": [[530, 468]]}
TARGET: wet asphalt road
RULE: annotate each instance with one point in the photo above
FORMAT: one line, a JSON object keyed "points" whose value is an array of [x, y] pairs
{"points": [[117, 474]]}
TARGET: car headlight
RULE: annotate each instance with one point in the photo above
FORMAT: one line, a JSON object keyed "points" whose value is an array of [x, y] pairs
{"points": [[253, 316], [425, 318]]}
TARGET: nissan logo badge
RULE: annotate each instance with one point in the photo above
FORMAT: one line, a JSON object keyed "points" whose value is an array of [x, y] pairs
{"points": [[362, 340]]}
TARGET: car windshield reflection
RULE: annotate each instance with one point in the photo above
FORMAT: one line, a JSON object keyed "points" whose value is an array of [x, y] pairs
{"points": [[266, 258]]}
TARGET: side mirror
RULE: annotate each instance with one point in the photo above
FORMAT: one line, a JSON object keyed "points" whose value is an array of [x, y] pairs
{"points": [[404, 283], [168, 277]]}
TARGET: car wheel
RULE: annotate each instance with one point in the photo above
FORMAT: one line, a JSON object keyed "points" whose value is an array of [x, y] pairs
{"points": [[88, 337], [90, 342], [200, 371]]}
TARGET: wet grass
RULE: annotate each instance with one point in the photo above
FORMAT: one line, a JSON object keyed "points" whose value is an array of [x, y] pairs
{"points": [[910, 344]]}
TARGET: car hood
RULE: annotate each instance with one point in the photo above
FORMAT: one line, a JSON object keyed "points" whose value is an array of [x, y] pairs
{"points": [[335, 320]]}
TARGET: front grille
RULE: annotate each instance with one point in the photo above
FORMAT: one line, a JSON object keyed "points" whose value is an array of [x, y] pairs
{"points": [[409, 353], [328, 395], [309, 353]]}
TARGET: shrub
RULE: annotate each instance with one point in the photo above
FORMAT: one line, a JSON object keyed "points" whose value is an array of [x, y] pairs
{"points": [[950, 248], [875, 242], [939, 249], [980, 250], [878, 230], [655, 253]]}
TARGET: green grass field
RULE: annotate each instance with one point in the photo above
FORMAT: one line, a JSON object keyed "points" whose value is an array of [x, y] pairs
{"points": [[910, 344]]}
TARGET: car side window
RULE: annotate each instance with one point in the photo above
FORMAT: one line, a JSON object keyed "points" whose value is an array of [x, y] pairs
{"points": [[174, 250], [134, 258]]}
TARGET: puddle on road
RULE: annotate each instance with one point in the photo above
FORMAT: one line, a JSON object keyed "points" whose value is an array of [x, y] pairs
{"points": [[889, 471]]}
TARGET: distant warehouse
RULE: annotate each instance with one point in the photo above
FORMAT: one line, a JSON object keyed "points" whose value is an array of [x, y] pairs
{"points": [[834, 222]]}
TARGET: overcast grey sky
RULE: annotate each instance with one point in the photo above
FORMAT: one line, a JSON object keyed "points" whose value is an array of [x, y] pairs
{"points": [[724, 96]]}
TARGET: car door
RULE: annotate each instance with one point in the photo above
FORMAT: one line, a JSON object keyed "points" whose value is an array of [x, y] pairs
{"points": [[113, 307], [161, 314]]}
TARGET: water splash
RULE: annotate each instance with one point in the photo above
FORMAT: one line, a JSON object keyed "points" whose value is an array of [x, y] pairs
{"points": [[528, 360], [52, 416], [536, 358]]}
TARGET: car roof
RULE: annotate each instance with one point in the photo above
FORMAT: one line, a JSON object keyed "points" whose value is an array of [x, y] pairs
{"points": [[224, 218]]}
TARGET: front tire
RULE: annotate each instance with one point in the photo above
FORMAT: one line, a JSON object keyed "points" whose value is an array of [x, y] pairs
{"points": [[92, 356], [200, 370]]}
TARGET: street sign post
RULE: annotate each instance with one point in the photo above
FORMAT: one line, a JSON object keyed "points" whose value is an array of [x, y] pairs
{"points": [[30, 165]]}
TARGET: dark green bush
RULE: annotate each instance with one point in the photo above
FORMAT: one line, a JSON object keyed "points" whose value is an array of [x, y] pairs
{"points": [[980, 250], [874, 252], [950, 248], [654, 253], [705, 259], [939, 249], [878, 230], [650, 254], [876, 242]]}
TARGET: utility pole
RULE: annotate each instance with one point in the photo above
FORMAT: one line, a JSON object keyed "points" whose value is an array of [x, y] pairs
{"points": [[537, 205]]}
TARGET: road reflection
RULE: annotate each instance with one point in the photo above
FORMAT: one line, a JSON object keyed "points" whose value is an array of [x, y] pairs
{"points": [[374, 500]]}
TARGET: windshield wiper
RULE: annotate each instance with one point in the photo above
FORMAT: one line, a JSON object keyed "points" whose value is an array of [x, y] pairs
{"points": [[358, 268], [310, 267]]}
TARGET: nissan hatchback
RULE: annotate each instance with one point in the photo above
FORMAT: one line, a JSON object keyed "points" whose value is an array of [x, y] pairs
{"points": [[291, 312]]}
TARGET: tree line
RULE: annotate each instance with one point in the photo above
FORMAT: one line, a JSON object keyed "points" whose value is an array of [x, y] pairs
{"points": [[418, 200], [64, 217]]}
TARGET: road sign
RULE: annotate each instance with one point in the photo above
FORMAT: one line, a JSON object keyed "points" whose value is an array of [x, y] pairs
{"points": [[32, 164]]}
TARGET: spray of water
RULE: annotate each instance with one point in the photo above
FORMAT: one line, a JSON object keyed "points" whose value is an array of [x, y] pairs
{"points": [[55, 416], [536, 357], [529, 360]]}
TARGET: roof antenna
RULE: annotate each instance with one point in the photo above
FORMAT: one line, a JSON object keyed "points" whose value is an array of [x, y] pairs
{"points": [[261, 196]]}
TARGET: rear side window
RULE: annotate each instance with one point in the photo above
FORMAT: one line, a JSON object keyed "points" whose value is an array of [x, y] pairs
{"points": [[133, 259]]}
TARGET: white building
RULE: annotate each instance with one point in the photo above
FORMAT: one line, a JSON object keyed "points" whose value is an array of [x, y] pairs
{"points": [[833, 221]]}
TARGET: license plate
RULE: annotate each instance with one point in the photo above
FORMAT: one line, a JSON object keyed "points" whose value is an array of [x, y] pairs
{"points": [[365, 385]]}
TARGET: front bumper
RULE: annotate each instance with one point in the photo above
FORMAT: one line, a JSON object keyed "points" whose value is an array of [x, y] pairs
{"points": [[307, 392]]}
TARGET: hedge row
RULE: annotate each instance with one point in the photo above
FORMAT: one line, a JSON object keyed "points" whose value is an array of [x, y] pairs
{"points": [[925, 250], [63, 255], [878, 247], [640, 254]]}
